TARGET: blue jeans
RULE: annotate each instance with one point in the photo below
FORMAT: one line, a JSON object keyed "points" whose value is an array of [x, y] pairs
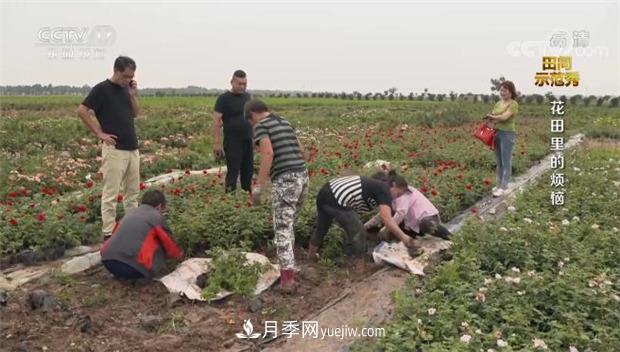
{"points": [[504, 143], [121, 270]]}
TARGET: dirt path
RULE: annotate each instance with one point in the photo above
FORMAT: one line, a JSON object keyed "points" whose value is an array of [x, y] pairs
{"points": [[370, 304]]}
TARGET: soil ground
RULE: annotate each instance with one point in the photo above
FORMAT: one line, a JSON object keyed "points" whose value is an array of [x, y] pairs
{"points": [[99, 313]]}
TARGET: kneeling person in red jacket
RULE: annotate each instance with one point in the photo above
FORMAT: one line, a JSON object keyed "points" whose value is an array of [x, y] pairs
{"points": [[141, 242]]}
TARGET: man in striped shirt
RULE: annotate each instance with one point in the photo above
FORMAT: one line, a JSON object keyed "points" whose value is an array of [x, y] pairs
{"points": [[281, 159], [344, 199]]}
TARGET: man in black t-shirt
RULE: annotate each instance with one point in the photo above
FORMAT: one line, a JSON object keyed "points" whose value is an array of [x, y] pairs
{"points": [[237, 145], [114, 102]]}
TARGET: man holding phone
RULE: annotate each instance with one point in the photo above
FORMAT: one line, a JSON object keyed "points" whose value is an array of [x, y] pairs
{"points": [[114, 102]]}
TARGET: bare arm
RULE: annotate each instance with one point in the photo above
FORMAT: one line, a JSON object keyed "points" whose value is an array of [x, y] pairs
{"points": [[386, 217], [511, 109], [398, 217], [374, 221], [266, 158], [217, 131], [301, 146], [501, 117], [84, 113], [134, 105], [133, 97]]}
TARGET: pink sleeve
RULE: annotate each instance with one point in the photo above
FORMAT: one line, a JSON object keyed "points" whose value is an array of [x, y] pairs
{"points": [[401, 207]]}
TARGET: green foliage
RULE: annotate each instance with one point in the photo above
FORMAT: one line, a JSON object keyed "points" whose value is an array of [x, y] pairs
{"points": [[230, 271], [429, 142], [542, 272]]}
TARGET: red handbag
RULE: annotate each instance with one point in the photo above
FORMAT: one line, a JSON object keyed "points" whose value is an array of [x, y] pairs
{"points": [[486, 134]]}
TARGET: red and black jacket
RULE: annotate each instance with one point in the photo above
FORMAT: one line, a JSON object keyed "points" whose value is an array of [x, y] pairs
{"points": [[142, 240]]}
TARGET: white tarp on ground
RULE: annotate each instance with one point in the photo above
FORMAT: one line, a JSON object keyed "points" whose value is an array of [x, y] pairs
{"points": [[396, 253], [183, 279], [165, 178]]}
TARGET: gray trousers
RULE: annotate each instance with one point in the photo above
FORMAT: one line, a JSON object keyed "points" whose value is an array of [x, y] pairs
{"points": [[504, 143]]}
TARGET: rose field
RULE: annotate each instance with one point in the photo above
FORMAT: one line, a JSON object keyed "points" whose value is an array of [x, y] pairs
{"points": [[50, 182], [50, 188], [540, 278]]}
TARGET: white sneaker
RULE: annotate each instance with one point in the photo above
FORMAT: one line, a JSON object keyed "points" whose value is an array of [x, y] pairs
{"points": [[498, 192]]}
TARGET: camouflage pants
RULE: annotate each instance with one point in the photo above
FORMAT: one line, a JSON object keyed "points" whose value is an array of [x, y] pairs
{"points": [[288, 192]]}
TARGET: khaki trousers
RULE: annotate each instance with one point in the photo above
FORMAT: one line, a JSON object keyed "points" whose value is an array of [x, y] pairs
{"points": [[121, 175]]}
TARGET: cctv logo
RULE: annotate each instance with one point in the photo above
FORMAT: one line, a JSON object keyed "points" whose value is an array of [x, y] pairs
{"points": [[98, 36]]}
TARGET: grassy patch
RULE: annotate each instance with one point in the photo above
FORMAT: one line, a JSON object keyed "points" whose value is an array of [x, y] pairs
{"points": [[541, 276]]}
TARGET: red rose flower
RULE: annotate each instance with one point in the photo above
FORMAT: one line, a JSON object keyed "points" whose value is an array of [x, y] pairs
{"points": [[89, 184], [48, 191], [142, 186], [41, 217], [468, 187], [119, 198], [13, 222]]}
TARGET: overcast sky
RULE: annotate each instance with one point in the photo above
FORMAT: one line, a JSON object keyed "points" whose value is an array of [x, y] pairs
{"points": [[367, 46]]}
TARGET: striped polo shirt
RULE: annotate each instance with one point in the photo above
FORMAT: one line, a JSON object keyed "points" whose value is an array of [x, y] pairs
{"points": [[360, 193], [287, 154]]}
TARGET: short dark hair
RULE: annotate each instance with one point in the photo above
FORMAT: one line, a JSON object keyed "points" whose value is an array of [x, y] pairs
{"points": [[122, 62], [154, 198], [511, 88], [392, 179], [239, 74], [398, 180], [383, 177], [255, 105]]}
